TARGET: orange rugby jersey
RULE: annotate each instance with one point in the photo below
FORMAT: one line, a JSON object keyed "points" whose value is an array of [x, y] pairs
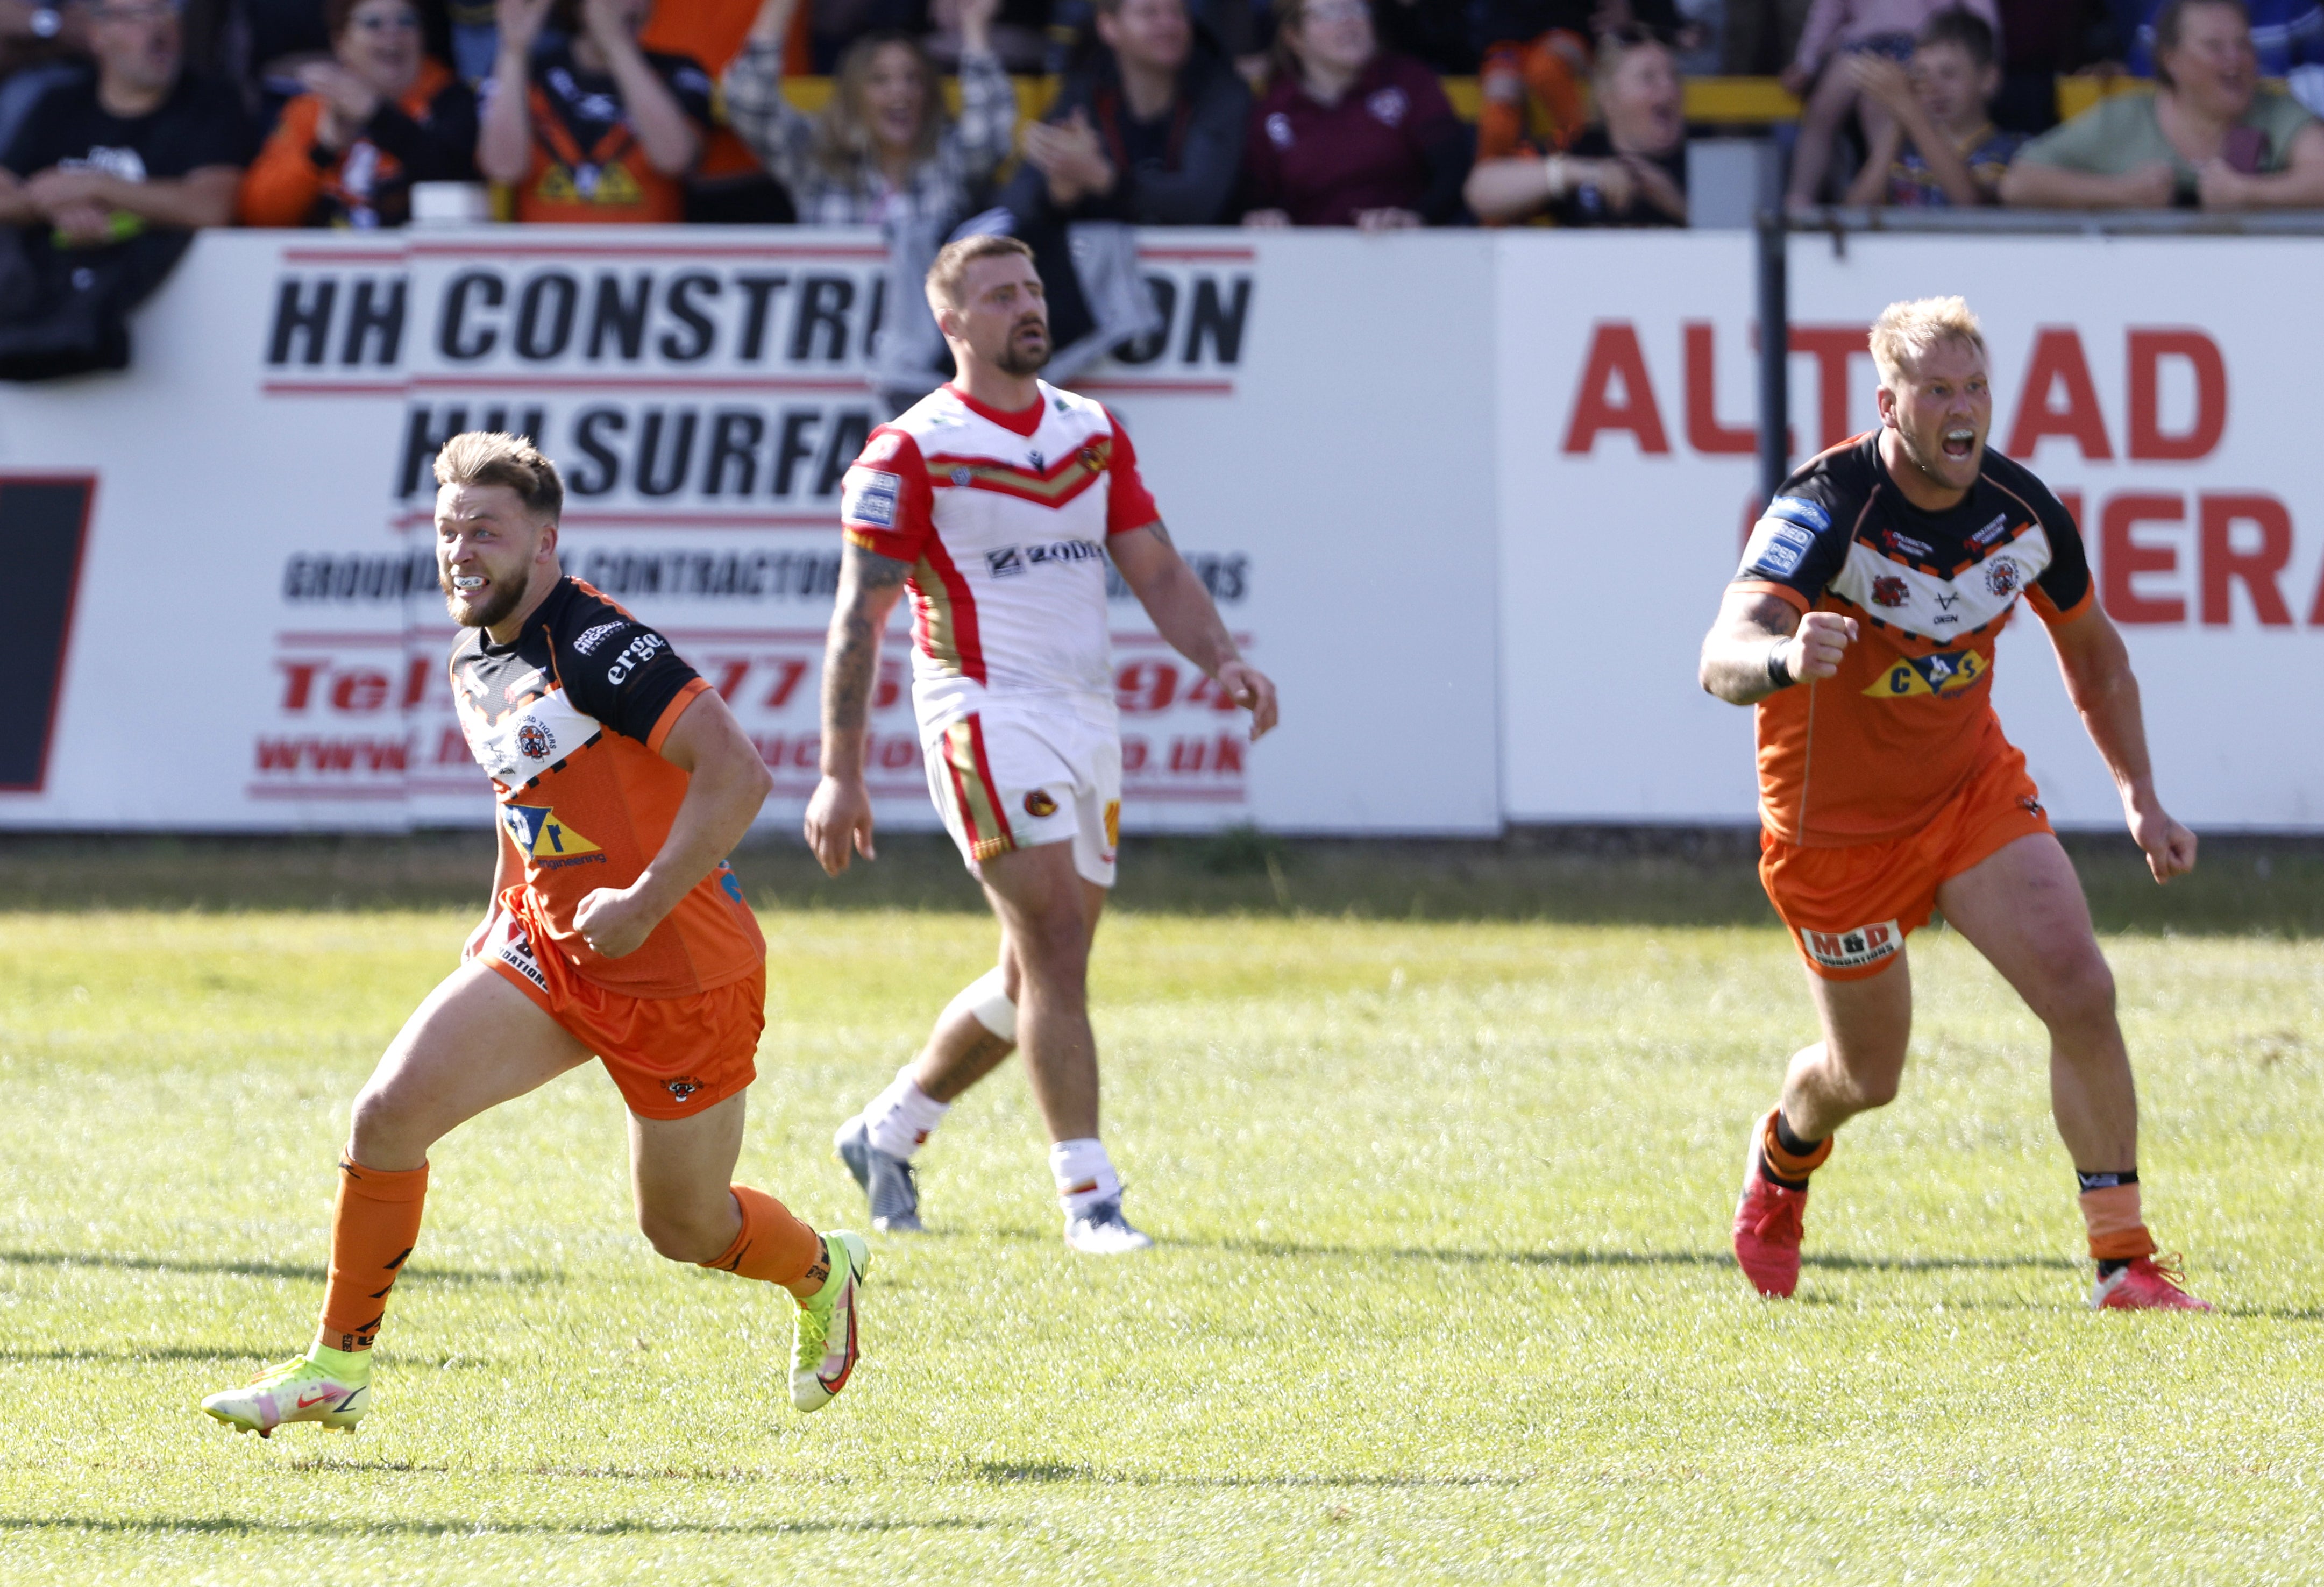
{"points": [[568, 722], [1870, 754]]}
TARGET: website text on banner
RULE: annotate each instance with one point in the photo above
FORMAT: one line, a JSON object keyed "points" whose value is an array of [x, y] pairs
{"points": [[267, 464], [2168, 412]]}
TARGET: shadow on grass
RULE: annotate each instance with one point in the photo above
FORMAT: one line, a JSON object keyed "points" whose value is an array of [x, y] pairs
{"points": [[161, 1526], [134, 1355], [1626, 1258], [1013, 1471], [527, 1276], [1572, 875]]}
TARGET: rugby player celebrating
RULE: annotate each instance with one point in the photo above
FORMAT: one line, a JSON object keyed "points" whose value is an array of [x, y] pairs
{"points": [[615, 929], [996, 501], [1862, 624]]}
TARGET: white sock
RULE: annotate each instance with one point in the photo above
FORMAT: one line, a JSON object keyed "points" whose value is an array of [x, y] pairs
{"points": [[901, 1118], [1084, 1175]]}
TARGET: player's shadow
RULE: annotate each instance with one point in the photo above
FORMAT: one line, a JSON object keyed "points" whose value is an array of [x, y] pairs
{"points": [[161, 1526], [313, 1274], [1014, 1471], [1622, 1259]]}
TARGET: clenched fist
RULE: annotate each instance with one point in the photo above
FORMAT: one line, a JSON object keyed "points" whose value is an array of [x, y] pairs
{"points": [[1814, 652]]}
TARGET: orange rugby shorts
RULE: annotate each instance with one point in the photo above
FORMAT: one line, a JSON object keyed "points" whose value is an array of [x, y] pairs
{"points": [[1850, 908], [671, 1056]]}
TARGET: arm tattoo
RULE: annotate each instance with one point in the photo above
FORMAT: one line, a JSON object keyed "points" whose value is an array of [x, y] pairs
{"points": [[853, 650], [1160, 533]]}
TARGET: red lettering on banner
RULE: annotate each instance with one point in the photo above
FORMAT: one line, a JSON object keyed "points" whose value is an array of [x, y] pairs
{"points": [[1614, 354], [730, 674], [298, 682], [358, 691], [416, 677], [789, 671], [2058, 357], [2121, 558], [2148, 442], [1704, 433], [2256, 569], [1832, 347]]}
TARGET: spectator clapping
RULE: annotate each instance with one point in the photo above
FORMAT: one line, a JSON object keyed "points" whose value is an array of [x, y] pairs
{"points": [[2207, 135], [377, 118], [1836, 31], [883, 150], [590, 128], [1149, 130], [1939, 146]]}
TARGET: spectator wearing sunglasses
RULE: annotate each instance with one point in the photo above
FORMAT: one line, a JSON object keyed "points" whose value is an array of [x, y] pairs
{"points": [[377, 117]]}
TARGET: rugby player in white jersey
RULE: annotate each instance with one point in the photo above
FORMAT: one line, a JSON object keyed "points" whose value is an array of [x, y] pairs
{"points": [[996, 499]]}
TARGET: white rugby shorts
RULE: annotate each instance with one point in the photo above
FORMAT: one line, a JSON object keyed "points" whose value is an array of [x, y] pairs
{"points": [[1006, 779]]}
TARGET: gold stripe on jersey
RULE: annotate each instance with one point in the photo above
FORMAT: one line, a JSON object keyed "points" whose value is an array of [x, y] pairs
{"points": [[1072, 474], [940, 623], [980, 802]]}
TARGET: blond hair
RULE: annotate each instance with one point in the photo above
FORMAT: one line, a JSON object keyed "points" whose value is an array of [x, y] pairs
{"points": [[843, 145], [954, 259], [1906, 330], [490, 456]]}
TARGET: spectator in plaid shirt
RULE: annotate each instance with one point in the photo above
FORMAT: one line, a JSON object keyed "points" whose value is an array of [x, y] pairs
{"points": [[883, 153]]}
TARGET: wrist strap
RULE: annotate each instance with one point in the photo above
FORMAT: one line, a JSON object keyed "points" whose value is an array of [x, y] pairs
{"points": [[1779, 671]]}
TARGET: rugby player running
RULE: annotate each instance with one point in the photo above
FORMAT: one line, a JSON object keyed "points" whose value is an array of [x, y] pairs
{"points": [[1862, 624], [996, 499], [615, 929]]}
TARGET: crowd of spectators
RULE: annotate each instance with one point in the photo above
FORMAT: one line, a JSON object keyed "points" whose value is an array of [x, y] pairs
{"points": [[120, 115]]}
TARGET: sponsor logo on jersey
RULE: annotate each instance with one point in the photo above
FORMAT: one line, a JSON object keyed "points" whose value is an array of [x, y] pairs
{"points": [[1889, 592], [1948, 672], [867, 495], [1038, 463], [2004, 577], [534, 740], [1776, 547], [1906, 544], [515, 951], [961, 476], [1854, 948], [1008, 560], [1038, 804], [538, 834], [1004, 563], [636, 654], [1992, 531], [1808, 515], [683, 1087], [597, 636]]}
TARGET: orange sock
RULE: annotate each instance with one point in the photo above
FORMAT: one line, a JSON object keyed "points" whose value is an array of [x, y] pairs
{"points": [[774, 1246], [374, 1228], [1784, 1165], [2117, 1228]]}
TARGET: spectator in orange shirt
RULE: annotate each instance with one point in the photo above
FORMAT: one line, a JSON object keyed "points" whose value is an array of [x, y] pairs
{"points": [[378, 118], [592, 128]]}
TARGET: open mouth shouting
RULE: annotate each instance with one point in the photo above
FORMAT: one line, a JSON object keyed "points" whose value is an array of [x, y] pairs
{"points": [[1959, 442]]}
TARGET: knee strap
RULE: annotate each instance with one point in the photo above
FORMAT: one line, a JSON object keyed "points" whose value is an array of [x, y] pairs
{"points": [[987, 998]]}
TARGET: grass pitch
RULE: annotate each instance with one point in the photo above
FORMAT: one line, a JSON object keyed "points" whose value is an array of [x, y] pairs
{"points": [[1444, 1293]]}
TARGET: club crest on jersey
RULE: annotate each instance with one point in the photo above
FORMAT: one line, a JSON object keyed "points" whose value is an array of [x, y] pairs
{"points": [[533, 741], [1889, 592], [2004, 577], [540, 836], [1948, 672], [1038, 804]]}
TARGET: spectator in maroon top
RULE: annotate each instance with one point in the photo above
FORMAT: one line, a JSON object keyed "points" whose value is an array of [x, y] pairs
{"points": [[1349, 136]]}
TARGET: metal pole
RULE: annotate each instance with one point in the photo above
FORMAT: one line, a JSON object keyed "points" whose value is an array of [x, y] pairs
{"points": [[1774, 362]]}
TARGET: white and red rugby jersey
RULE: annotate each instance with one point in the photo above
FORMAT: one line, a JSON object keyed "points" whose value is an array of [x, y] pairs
{"points": [[1003, 519]]}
